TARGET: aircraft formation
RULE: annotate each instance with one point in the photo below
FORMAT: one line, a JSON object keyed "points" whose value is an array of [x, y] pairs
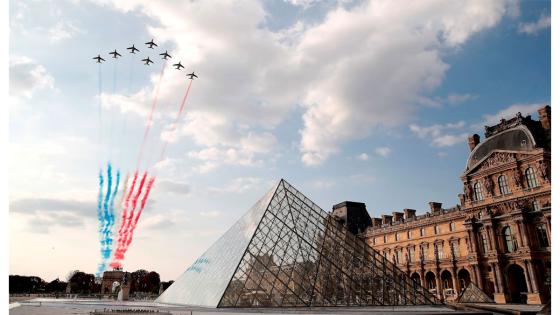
{"points": [[147, 61]]}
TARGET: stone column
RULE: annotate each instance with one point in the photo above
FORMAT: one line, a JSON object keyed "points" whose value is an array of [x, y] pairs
{"points": [[496, 289], [422, 277], [455, 280], [438, 285], [532, 276], [527, 278], [470, 241], [525, 234], [521, 236], [500, 277]]}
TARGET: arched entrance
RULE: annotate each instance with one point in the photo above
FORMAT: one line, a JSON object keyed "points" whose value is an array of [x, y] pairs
{"points": [[446, 283], [431, 282], [415, 277], [464, 278], [517, 286]]}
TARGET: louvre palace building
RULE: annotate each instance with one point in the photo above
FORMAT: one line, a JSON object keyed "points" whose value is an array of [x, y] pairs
{"points": [[498, 237]]}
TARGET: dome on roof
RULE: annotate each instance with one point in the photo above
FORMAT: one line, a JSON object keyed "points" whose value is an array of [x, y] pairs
{"points": [[515, 139]]}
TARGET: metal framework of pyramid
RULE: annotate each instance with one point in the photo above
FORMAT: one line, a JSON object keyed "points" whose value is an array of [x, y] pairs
{"points": [[473, 294], [287, 252]]}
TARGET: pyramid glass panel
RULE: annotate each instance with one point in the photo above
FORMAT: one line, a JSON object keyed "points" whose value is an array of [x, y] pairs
{"points": [[294, 255], [204, 282]]}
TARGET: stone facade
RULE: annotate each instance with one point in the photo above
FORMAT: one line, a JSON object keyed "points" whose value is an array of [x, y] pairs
{"points": [[498, 237]]}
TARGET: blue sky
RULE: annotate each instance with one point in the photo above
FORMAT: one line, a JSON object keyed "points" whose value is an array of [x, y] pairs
{"points": [[347, 100]]}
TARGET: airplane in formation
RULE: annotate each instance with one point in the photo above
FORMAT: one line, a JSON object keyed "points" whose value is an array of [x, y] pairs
{"points": [[151, 44], [165, 55], [115, 54], [99, 59], [133, 49], [147, 61], [191, 75], [178, 66]]}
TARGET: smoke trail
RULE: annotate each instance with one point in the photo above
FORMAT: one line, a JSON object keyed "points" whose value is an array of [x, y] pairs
{"points": [[112, 211], [174, 126], [118, 254], [125, 208], [106, 201], [150, 117], [142, 205], [100, 202], [130, 235]]}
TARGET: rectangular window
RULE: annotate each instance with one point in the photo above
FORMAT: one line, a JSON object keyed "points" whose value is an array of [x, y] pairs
{"points": [[411, 253], [397, 237], [436, 229], [422, 232], [409, 234], [440, 251], [452, 226], [456, 252], [384, 238], [483, 242]]}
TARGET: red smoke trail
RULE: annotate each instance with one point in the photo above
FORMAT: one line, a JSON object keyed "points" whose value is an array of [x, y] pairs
{"points": [[174, 126], [149, 124], [119, 252], [142, 205], [125, 206]]}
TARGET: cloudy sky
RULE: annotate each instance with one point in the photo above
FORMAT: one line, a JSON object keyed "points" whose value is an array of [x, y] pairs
{"points": [[347, 100]]}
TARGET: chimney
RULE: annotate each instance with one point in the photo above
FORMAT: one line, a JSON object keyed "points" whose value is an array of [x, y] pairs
{"points": [[397, 216], [409, 214], [474, 140], [544, 117], [435, 207], [386, 219], [376, 222], [354, 215]]}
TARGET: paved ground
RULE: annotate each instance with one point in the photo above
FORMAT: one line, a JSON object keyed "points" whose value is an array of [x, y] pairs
{"points": [[67, 307]]}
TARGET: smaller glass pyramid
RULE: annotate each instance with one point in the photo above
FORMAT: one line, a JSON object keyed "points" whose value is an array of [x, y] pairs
{"points": [[473, 294], [288, 252]]}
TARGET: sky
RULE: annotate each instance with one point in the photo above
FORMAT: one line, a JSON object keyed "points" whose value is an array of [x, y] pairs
{"points": [[367, 101]]}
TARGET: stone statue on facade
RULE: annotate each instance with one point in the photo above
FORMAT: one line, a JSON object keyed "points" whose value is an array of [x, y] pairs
{"points": [[543, 170], [489, 185], [468, 191]]}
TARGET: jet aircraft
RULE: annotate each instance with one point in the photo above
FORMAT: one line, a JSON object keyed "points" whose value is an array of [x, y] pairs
{"points": [[115, 54], [151, 44], [178, 66], [133, 49], [147, 61], [99, 59], [191, 75], [165, 55]]}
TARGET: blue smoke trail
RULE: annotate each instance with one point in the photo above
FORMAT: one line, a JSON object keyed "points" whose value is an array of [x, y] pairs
{"points": [[106, 218], [112, 212], [99, 209]]}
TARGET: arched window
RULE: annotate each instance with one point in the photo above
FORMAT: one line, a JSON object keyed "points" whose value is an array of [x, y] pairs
{"points": [[503, 184], [531, 178], [542, 236], [536, 206], [398, 257], [509, 238], [478, 192], [385, 238]]}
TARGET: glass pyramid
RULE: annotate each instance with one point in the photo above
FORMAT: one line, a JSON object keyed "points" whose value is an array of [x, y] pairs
{"points": [[287, 252]]}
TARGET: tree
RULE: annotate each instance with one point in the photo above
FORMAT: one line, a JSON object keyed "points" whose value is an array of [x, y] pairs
{"points": [[81, 282], [56, 286], [26, 284], [151, 282]]}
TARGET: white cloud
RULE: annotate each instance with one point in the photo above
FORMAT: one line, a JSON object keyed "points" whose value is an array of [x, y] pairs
{"points": [[380, 60], [210, 214], [27, 77], [62, 30], [509, 112], [363, 157], [240, 185], [439, 135], [383, 151], [455, 98], [533, 28], [323, 184]]}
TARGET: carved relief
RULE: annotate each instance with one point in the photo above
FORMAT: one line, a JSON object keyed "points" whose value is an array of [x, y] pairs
{"points": [[498, 158]]}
